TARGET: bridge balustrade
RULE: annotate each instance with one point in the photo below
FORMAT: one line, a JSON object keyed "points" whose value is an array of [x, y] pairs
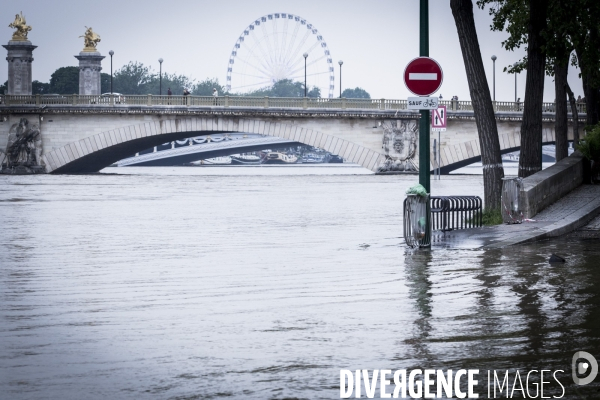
{"points": [[258, 102], [136, 100]]}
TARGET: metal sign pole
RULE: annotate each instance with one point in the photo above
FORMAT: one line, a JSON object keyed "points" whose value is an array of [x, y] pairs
{"points": [[424, 122], [435, 159], [439, 165]]}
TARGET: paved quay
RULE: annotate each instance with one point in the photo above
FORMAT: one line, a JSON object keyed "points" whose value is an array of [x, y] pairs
{"points": [[579, 210]]}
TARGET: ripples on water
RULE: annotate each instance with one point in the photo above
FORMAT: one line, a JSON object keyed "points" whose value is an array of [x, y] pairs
{"points": [[263, 283]]}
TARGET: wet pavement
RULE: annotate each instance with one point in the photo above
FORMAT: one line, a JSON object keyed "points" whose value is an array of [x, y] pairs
{"points": [[580, 209]]}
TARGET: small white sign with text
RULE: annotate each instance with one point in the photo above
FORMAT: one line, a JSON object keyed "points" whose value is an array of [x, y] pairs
{"points": [[423, 103]]}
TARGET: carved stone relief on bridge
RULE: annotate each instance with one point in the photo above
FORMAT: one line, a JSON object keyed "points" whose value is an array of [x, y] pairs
{"points": [[23, 154], [399, 145]]}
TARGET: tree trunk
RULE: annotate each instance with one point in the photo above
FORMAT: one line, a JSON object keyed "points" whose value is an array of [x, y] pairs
{"points": [[575, 114], [561, 128], [592, 94], [530, 160], [591, 100], [493, 172]]}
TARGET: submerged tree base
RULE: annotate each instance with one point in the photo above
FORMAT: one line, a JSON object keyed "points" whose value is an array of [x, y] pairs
{"points": [[492, 217], [489, 217]]}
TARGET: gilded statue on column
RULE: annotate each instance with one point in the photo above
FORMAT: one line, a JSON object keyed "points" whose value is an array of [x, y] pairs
{"points": [[22, 29], [91, 39]]}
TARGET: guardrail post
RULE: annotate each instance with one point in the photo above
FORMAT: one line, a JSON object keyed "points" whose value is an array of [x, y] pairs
{"points": [[187, 100], [343, 103], [37, 99], [226, 101], [74, 100], [112, 100], [305, 103], [149, 100], [494, 105], [266, 101], [382, 104]]}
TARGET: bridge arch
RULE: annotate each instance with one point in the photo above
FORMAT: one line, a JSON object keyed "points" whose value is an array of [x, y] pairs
{"points": [[98, 151], [455, 156]]}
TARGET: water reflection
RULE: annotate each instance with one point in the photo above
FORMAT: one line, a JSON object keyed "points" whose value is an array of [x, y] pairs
{"points": [[265, 286], [416, 273]]}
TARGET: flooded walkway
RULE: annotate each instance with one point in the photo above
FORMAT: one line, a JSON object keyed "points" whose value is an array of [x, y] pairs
{"points": [[574, 211]]}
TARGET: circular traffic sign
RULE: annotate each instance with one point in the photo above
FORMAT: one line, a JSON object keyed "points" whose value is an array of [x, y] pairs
{"points": [[423, 76]]}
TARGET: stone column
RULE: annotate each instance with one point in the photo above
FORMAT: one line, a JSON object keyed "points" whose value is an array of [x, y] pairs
{"points": [[90, 65], [19, 57]]}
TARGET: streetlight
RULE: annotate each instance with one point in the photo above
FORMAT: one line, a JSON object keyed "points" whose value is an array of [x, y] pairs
{"points": [[160, 60], [340, 62], [494, 79], [111, 73], [515, 66], [305, 55]]}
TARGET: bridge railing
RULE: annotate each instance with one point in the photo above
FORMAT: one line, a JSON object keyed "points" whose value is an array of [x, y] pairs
{"points": [[258, 102]]}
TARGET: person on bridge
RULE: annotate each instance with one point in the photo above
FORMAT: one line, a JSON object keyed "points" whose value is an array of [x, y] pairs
{"points": [[215, 95], [169, 93]]}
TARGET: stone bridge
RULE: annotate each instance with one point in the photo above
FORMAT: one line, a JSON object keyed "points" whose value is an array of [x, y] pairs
{"points": [[83, 134]]}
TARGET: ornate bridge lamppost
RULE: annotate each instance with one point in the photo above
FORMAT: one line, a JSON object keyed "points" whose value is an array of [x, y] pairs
{"points": [[160, 61], [305, 55], [494, 75], [515, 66], [111, 71], [340, 62]]}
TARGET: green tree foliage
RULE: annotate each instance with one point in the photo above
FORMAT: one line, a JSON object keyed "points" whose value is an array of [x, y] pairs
{"points": [[65, 80], [173, 81], [590, 148], [356, 93], [133, 78], [4, 88], [105, 83], [590, 145], [136, 78], [38, 87], [205, 88], [570, 25], [315, 92], [285, 88]]}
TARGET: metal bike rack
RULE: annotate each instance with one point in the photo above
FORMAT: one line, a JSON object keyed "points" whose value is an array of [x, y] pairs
{"points": [[455, 212]]}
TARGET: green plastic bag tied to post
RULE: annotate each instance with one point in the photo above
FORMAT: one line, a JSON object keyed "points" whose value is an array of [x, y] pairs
{"points": [[417, 189]]}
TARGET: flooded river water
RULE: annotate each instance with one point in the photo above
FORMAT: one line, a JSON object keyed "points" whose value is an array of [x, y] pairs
{"points": [[265, 282]]}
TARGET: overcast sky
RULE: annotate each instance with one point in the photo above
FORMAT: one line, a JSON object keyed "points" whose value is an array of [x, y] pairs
{"points": [[375, 39]]}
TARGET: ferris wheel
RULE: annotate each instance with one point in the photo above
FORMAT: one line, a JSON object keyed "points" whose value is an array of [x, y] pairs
{"points": [[272, 48]]}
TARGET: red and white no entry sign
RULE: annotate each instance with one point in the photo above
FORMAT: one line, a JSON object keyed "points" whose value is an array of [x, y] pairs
{"points": [[423, 76]]}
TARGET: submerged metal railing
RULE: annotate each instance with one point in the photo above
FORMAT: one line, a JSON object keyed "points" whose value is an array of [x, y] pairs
{"points": [[456, 212], [245, 101]]}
